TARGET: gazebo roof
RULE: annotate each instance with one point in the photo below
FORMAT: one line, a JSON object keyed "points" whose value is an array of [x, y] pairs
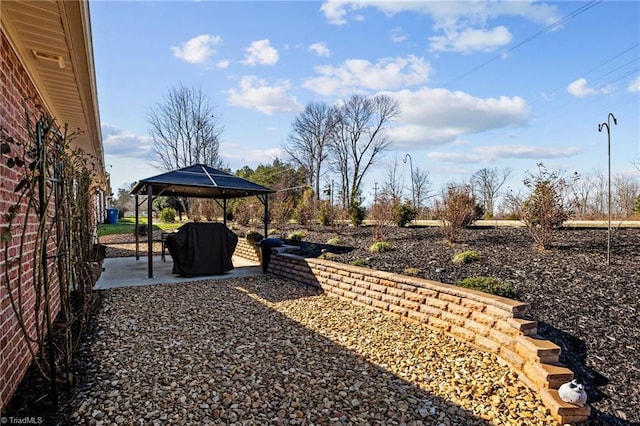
{"points": [[199, 181]]}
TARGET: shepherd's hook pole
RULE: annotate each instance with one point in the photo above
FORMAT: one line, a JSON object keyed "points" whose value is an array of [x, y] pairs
{"points": [[413, 191], [600, 127]]}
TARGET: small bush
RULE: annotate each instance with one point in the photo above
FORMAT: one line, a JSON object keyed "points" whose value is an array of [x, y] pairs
{"points": [[412, 271], [357, 213], [254, 237], [326, 214], [296, 236], [380, 247], [457, 211], [334, 241], [143, 228], [360, 262], [546, 209], [272, 231], [330, 256], [168, 215], [467, 256], [488, 285], [403, 214]]}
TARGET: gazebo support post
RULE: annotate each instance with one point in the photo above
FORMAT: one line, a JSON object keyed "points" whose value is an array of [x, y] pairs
{"points": [[136, 229], [263, 198], [150, 230], [224, 211]]}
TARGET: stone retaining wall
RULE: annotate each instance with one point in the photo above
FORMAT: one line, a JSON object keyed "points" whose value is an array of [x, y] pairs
{"points": [[490, 323], [247, 250]]}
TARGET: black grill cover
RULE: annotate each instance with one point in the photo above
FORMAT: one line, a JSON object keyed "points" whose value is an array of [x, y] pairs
{"points": [[202, 249]]}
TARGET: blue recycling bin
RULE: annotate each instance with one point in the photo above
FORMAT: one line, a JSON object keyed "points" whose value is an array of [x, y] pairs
{"points": [[112, 215]]}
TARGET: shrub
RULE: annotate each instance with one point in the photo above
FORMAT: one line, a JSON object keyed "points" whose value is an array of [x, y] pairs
{"points": [[544, 211], [306, 208], [357, 213], [403, 214], [254, 237], [466, 256], [326, 214], [143, 228], [380, 247], [360, 262], [330, 256], [412, 271], [296, 236], [334, 241], [168, 215], [381, 216], [457, 211], [488, 285], [272, 231]]}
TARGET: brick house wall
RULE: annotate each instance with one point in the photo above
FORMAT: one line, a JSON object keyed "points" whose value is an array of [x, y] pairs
{"points": [[17, 92]]}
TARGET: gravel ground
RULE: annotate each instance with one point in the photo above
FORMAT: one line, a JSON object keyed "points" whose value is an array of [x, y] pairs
{"points": [[265, 351]]}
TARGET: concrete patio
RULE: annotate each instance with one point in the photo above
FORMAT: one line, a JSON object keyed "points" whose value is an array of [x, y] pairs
{"points": [[129, 272]]}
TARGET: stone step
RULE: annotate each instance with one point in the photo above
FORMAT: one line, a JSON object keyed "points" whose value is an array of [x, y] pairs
{"points": [[535, 348], [562, 411]]}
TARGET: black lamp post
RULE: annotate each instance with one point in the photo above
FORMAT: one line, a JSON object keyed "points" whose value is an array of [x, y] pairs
{"points": [[600, 127]]}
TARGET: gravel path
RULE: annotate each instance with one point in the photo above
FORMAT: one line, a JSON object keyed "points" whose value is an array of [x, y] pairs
{"points": [[264, 351]]}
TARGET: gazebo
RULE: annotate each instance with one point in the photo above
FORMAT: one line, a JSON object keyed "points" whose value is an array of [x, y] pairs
{"points": [[196, 181]]}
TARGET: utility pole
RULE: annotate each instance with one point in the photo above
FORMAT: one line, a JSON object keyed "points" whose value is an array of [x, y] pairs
{"points": [[375, 193]]}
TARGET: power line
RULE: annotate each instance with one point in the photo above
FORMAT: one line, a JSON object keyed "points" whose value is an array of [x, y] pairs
{"points": [[545, 30]]}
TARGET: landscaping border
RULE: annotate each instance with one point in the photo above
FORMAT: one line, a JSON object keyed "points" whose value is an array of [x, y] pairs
{"points": [[487, 322]]}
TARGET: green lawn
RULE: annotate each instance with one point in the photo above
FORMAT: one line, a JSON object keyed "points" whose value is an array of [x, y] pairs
{"points": [[128, 224]]}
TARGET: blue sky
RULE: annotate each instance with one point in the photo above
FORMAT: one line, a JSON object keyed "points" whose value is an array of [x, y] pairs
{"points": [[480, 84]]}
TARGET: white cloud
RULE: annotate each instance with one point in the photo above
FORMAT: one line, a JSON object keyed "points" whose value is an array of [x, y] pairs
{"points": [[256, 93], [237, 155], [462, 23], [579, 88], [359, 74], [320, 49], [634, 86], [261, 53], [471, 40], [439, 116], [223, 64], [398, 35], [489, 154], [198, 49], [123, 143], [335, 12]]}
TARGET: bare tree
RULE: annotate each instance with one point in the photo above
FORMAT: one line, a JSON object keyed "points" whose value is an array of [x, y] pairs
{"points": [[584, 190], [488, 182], [422, 186], [599, 197], [625, 192], [309, 139], [359, 140], [185, 130], [393, 185]]}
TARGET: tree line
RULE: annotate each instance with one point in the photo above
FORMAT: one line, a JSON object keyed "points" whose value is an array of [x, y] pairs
{"points": [[330, 150]]}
